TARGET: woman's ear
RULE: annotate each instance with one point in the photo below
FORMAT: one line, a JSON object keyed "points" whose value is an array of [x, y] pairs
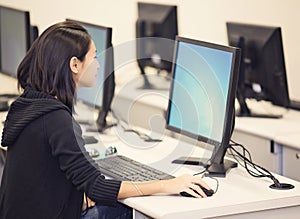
{"points": [[74, 62]]}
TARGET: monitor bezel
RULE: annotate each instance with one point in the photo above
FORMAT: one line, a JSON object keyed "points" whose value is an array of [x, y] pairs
{"points": [[220, 147], [28, 39]]}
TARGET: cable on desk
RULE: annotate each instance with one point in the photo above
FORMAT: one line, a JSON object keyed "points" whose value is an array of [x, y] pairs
{"points": [[204, 175], [245, 160], [217, 186]]}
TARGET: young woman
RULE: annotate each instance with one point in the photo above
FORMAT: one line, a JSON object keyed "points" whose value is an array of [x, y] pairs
{"points": [[48, 170]]}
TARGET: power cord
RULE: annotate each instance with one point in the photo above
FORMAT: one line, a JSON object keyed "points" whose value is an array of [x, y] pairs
{"points": [[255, 170]]}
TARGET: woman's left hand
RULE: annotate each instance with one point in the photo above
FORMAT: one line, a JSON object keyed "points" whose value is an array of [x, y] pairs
{"points": [[89, 203]]}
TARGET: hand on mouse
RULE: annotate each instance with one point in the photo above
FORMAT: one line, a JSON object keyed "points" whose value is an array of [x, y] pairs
{"points": [[186, 183]]}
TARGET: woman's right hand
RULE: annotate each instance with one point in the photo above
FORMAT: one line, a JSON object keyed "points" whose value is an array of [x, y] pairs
{"points": [[186, 183]]}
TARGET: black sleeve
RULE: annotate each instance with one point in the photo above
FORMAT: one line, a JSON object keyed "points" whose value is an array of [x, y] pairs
{"points": [[65, 139]]}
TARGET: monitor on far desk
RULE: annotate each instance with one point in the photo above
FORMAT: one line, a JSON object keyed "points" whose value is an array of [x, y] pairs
{"points": [[16, 37], [262, 73], [100, 96], [156, 29]]}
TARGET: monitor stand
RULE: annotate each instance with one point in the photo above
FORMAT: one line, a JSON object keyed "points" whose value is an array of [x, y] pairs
{"points": [[100, 129], [192, 161], [295, 105], [4, 106], [101, 124], [146, 85], [213, 169], [220, 170], [253, 115]]}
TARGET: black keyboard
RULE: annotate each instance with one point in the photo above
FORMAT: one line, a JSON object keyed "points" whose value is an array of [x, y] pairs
{"points": [[123, 168]]}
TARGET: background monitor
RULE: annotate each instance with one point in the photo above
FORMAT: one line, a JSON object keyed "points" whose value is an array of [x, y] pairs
{"points": [[102, 93], [156, 29], [262, 72], [202, 96], [15, 38]]}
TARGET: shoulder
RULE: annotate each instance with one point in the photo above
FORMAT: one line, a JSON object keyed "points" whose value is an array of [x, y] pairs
{"points": [[59, 114], [60, 119], [61, 129]]}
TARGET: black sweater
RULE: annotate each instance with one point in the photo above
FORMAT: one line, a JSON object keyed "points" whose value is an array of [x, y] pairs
{"points": [[47, 168]]}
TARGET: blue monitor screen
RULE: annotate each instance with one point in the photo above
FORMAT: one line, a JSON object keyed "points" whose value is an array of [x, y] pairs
{"points": [[200, 90], [94, 95]]}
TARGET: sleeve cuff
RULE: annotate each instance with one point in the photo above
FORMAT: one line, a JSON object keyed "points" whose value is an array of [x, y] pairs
{"points": [[105, 191]]}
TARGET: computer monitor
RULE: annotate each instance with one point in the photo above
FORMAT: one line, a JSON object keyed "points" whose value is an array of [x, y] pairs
{"points": [[156, 29], [262, 72], [100, 96], [15, 38], [34, 33], [202, 95]]}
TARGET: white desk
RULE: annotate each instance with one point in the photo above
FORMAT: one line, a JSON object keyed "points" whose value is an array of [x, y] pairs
{"points": [[239, 195], [8, 84], [290, 154]]}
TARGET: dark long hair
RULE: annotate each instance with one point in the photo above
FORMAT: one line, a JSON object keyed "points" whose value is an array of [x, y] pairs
{"points": [[46, 66]]}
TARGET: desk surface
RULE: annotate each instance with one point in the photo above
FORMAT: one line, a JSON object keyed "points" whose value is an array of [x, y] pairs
{"points": [[291, 139], [238, 193], [8, 84]]}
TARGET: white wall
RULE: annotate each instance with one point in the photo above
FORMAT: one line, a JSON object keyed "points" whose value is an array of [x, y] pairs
{"points": [[199, 19]]}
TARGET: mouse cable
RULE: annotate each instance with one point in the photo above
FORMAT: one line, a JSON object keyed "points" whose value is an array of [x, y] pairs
{"points": [[245, 160], [205, 175], [217, 181], [142, 135]]}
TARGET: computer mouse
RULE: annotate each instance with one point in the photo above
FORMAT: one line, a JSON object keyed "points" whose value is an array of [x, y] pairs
{"points": [[208, 192]]}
